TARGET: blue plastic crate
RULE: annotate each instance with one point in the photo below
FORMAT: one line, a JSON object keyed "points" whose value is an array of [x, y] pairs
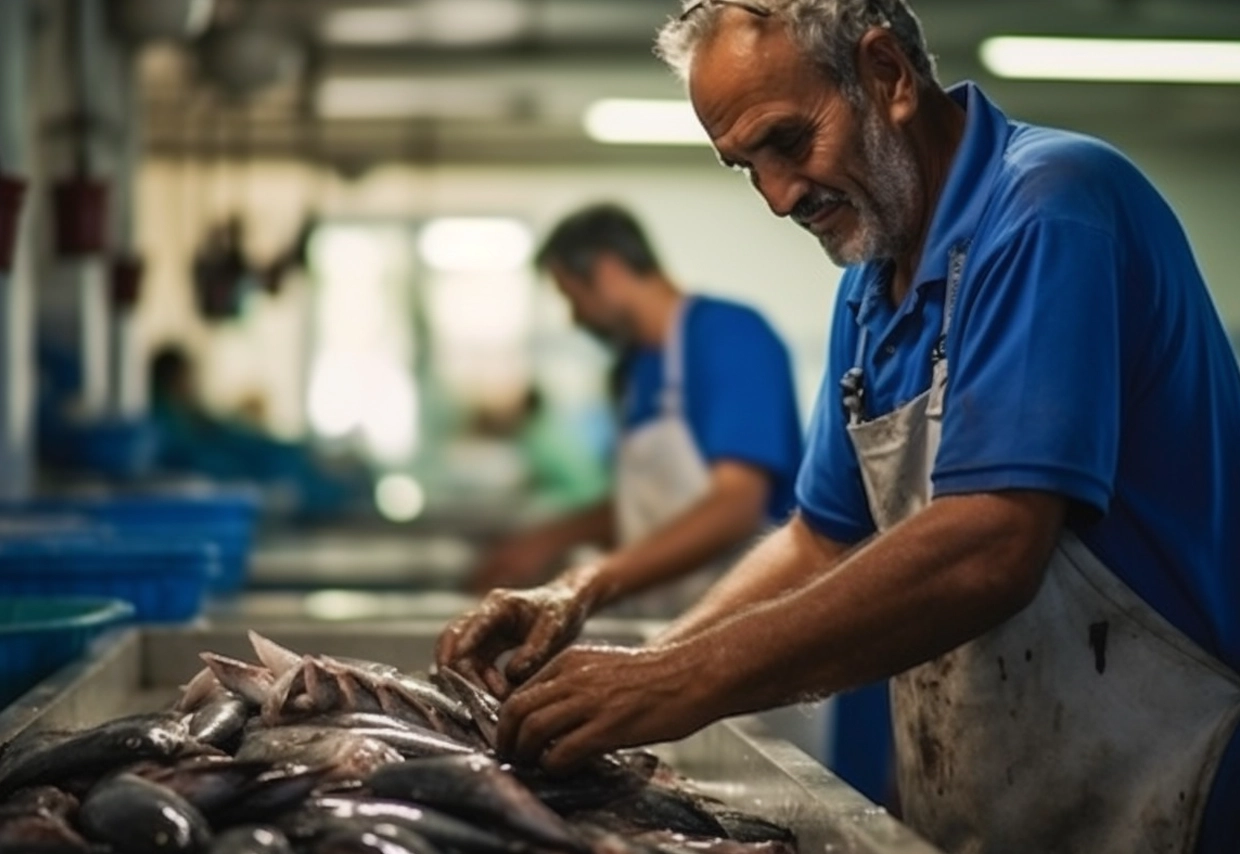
{"points": [[165, 581], [226, 519], [119, 449], [38, 636]]}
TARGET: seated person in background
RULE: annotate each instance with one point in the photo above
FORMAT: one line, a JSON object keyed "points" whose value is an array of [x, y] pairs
{"points": [[193, 440]]}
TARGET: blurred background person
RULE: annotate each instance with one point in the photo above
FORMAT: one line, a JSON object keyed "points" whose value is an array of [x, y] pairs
{"points": [[710, 438], [192, 440]]}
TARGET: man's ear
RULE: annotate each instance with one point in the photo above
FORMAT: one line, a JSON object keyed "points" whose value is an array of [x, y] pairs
{"points": [[887, 77]]}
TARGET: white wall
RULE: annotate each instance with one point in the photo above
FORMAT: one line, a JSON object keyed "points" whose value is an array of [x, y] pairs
{"points": [[713, 231]]}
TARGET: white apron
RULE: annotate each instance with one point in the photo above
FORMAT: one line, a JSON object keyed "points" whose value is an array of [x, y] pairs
{"points": [[1086, 723], [659, 475]]}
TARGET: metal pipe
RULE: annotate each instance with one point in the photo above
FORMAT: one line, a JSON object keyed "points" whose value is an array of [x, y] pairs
{"points": [[127, 383], [84, 268], [16, 303]]}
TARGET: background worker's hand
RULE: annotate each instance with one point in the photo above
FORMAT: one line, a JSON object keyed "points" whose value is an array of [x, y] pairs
{"points": [[524, 560], [531, 624]]}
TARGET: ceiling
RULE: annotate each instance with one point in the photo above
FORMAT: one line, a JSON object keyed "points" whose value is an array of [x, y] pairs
{"points": [[507, 81]]}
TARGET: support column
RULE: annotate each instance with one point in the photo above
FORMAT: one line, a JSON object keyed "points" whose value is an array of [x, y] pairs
{"points": [[16, 315]]}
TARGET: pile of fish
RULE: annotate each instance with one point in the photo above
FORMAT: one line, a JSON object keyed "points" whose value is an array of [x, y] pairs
{"points": [[326, 755]]}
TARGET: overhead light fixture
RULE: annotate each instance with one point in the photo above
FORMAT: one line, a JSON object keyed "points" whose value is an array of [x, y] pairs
{"points": [[449, 22], [644, 122], [374, 25], [1112, 60], [407, 97], [475, 244]]}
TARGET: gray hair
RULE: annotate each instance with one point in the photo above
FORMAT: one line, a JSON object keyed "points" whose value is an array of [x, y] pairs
{"points": [[827, 30]]}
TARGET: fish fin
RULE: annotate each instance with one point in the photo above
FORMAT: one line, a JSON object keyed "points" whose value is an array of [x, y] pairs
{"points": [[277, 658]]}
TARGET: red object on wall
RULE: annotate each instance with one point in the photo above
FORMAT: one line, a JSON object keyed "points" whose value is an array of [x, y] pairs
{"points": [[12, 191], [126, 281], [81, 210]]}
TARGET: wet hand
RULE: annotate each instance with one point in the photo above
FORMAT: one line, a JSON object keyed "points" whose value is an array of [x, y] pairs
{"points": [[589, 700], [531, 624]]}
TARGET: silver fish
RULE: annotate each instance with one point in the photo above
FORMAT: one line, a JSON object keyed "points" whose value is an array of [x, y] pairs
{"points": [[140, 817], [251, 840], [483, 708], [476, 788], [249, 680], [220, 721], [54, 757], [444, 831], [343, 753], [370, 838]]}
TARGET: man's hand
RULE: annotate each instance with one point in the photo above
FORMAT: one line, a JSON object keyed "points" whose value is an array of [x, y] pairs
{"points": [[531, 624], [589, 700], [521, 561]]}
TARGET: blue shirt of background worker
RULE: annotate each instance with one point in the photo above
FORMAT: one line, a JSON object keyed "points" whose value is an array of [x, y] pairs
{"points": [[738, 390]]}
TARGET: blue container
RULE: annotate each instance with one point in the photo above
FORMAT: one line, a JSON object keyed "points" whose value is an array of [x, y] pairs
{"points": [[165, 581], [38, 636], [226, 519], [119, 449]]}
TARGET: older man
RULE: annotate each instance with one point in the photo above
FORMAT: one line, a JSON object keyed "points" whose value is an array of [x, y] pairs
{"points": [[1021, 501]]}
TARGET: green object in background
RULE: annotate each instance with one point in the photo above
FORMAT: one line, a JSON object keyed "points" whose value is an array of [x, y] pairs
{"points": [[39, 635], [564, 472]]}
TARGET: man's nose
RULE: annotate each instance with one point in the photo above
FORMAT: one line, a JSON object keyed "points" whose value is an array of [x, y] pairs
{"points": [[782, 188]]}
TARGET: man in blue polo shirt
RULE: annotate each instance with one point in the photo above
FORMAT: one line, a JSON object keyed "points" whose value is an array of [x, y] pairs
{"points": [[1021, 497], [708, 455]]}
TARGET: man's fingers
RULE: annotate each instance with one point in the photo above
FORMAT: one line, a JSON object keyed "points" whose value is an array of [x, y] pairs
{"points": [[523, 701], [469, 669], [543, 642], [495, 682], [575, 746], [445, 647], [544, 725]]}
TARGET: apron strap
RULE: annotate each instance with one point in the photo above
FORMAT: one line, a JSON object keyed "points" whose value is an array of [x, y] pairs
{"points": [[672, 396]]}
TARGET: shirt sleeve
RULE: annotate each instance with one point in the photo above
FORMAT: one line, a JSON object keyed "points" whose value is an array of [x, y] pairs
{"points": [[830, 492], [1033, 390], [743, 398]]}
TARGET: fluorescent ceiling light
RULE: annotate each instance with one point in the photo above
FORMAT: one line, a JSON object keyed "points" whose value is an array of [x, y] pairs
{"points": [[644, 122], [407, 97], [1112, 60], [475, 244], [454, 22], [377, 25]]}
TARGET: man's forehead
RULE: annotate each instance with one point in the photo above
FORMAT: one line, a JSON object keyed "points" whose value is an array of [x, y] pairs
{"points": [[742, 68], [739, 41]]}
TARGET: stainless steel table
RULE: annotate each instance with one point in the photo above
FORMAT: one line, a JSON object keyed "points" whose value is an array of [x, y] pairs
{"points": [[140, 669]]}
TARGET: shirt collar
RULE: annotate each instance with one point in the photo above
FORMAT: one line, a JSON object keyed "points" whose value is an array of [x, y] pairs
{"points": [[961, 201]]}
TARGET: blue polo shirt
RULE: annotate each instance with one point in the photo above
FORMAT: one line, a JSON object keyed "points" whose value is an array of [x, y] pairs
{"points": [[739, 396], [1086, 359]]}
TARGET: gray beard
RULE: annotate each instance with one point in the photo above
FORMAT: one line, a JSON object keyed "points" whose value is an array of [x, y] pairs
{"points": [[884, 227]]}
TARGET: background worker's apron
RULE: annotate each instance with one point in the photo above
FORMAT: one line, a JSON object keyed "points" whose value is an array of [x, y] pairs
{"points": [[660, 474], [1085, 723]]}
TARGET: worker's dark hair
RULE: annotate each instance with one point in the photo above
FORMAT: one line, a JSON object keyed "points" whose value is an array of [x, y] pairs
{"points": [[580, 238], [169, 365]]}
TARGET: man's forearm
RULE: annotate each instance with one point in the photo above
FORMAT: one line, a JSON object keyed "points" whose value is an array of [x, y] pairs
{"points": [[785, 560], [594, 525], [943, 577]]}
